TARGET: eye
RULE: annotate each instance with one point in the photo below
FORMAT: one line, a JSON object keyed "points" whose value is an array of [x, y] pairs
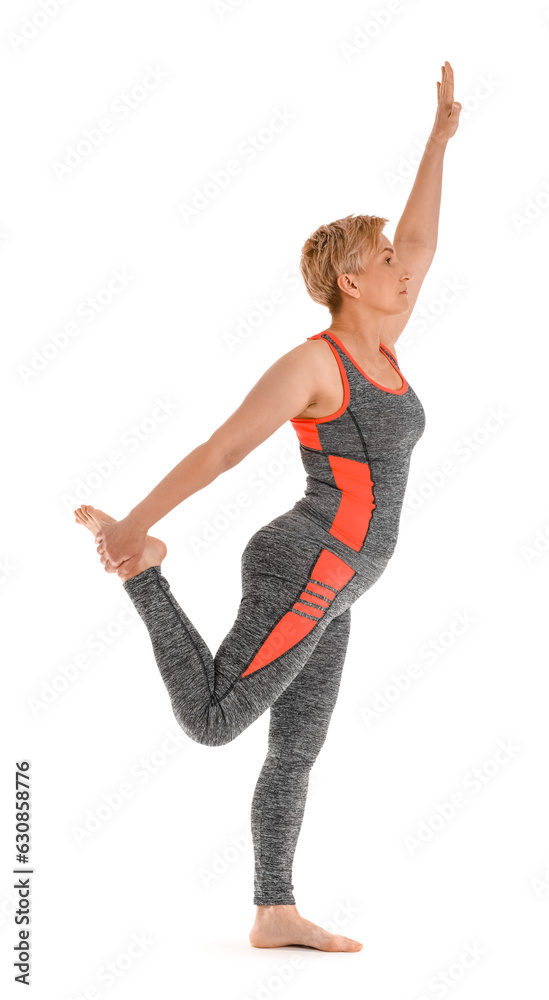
{"points": [[388, 258]]}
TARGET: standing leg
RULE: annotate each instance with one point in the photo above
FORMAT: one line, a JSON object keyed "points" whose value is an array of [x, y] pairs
{"points": [[298, 726]]}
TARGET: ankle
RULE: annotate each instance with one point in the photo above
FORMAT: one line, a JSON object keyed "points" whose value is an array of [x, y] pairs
{"points": [[275, 909], [140, 568]]}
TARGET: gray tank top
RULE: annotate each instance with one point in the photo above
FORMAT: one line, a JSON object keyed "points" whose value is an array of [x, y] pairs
{"points": [[357, 459]]}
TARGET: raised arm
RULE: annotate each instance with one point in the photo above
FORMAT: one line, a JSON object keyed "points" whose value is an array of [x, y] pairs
{"points": [[416, 235], [286, 388], [419, 220]]}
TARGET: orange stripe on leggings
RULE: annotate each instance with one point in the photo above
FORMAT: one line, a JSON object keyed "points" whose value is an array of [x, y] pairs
{"points": [[329, 569], [286, 633], [309, 609], [319, 601], [316, 589]]}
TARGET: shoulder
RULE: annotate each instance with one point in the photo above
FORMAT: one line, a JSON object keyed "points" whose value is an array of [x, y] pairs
{"points": [[306, 365], [319, 349], [314, 352]]}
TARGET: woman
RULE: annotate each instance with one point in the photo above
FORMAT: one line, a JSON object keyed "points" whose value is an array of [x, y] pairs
{"points": [[357, 420]]}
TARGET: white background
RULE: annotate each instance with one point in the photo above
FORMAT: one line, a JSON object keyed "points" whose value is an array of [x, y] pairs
{"points": [[472, 542]]}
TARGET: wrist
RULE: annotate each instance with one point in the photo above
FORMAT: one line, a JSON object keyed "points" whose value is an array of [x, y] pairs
{"points": [[435, 141], [136, 520]]}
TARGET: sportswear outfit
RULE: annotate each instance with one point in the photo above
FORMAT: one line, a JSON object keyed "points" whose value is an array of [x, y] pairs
{"points": [[300, 575]]}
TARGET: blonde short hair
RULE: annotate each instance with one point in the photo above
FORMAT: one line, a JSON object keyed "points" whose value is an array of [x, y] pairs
{"points": [[341, 247]]}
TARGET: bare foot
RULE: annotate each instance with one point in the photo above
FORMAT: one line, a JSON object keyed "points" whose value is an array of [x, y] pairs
{"points": [[279, 926], [154, 552]]}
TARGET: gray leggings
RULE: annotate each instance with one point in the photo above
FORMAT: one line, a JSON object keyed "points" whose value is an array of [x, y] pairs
{"points": [[285, 651]]}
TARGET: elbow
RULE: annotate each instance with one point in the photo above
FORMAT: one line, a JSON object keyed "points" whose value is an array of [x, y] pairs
{"points": [[220, 455]]}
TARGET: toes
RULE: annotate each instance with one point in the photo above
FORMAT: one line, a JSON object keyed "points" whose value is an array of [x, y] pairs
{"points": [[88, 513]]}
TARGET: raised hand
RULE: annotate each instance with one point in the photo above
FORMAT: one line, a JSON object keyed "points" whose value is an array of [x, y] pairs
{"points": [[448, 110]]}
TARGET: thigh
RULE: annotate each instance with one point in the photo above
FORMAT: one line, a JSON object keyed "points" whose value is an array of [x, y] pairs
{"points": [[293, 586], [301, 716]]}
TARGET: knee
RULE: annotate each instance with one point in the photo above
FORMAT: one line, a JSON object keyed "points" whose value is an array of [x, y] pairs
{"points": [[208, 735], [210, 727], [212, 737], [209, 731]]}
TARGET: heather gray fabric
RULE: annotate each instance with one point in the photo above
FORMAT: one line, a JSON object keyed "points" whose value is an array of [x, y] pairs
{"points": [[300, 575], [378, 427], [299, 722]]}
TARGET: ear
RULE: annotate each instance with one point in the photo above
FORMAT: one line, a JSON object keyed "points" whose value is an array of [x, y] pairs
{"points": [[347, 285]]}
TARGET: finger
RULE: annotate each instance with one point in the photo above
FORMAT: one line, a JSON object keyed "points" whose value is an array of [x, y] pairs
{"points": [[128, 564], [105, 557], [109, 565], [446, 92]]}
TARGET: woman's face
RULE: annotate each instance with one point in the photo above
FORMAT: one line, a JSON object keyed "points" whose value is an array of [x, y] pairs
{"points": [[379, 287]]}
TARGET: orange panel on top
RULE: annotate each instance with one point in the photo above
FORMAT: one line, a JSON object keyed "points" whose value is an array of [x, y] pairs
{"points": [[307, 433], [356, 503]]}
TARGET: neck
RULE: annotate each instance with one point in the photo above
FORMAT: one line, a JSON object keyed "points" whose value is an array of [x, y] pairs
{"points": [[363, 334]]}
